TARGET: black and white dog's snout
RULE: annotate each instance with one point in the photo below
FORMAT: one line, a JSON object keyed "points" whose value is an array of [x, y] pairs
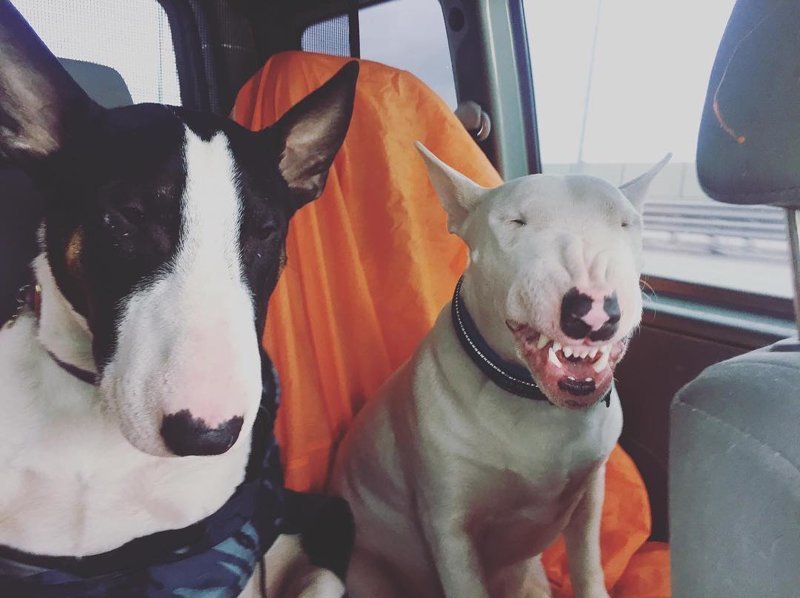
{"points": [[586, 316], [185, 435]]}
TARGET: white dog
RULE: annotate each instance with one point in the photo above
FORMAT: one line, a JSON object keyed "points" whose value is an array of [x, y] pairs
{"points": [[492, 439]]}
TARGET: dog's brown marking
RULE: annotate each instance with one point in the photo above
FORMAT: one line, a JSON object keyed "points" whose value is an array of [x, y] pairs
{"points": [[73, 252]]}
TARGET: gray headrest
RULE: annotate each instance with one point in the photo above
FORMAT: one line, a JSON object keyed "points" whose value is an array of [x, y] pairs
{"points": [[748, 151], [103, 84]]}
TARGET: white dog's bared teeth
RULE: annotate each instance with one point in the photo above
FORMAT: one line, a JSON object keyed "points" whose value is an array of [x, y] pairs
{"points": [[583, 353], [556, 346], [606, 349], [587, 379], [542, 342], [567, 351], [601, 363], [593, 353], [552, 357]]}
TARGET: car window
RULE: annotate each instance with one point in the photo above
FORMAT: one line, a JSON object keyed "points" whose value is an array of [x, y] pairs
{"points": [[331, 36], [130, 36], [618, 84], [407, 34]]}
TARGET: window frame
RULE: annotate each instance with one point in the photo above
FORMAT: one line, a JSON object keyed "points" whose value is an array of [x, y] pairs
{"points": [[190, 60], [756, 303], [737, 318]]}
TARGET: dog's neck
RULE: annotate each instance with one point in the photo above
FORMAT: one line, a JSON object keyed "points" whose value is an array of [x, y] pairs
{"points": [[488, 319], [62, 331]]}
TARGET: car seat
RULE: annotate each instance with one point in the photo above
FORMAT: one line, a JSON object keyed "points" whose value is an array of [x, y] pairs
{"points": [[734, 470]]}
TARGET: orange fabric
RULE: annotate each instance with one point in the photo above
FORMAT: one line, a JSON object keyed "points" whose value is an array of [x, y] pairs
{"points": [[647, 574], [624, 529], [370, 266]]}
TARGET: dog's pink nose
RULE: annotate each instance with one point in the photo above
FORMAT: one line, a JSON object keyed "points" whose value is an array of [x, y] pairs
{"points": [[185, 435], [592, 315]]}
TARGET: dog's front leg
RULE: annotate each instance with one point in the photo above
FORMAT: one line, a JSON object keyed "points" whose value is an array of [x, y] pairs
{"points": [[310, 558], [582, 535], [457, 561]]}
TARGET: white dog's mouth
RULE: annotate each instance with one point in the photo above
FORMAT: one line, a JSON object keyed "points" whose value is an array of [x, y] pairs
{"points": [[574, 375]]}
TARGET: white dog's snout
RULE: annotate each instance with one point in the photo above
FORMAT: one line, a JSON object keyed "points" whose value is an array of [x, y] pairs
{"points": [[587, 263], [599, 268]]}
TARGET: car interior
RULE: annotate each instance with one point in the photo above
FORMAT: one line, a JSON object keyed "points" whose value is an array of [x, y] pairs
{"points": [[708, 384]]}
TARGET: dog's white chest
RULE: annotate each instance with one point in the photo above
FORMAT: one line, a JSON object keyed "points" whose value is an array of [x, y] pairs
{"points": [[524, 492], [72, 484], [511, 467], [476, 462]]}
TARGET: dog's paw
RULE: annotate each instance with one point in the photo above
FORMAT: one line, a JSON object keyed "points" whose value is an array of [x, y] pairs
{"points": [[290, 573], [314, 582]]}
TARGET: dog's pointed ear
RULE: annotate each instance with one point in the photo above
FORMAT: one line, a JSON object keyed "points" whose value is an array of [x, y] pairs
{"points": [[636, 190], [40, 104], [312, 131], [457, 193]]}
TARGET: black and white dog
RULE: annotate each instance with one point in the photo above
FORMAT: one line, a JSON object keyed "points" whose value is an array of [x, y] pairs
{"points": [[134, 395]]}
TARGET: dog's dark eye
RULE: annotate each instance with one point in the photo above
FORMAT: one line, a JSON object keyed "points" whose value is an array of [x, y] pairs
{"points": [[519, 222], [265, 229], [123, 217], [625, 224], [133, 214]]}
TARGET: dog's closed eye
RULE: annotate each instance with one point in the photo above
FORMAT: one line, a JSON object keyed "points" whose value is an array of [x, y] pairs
{"points": [[519, 222], [266, 229], [630, 223]]}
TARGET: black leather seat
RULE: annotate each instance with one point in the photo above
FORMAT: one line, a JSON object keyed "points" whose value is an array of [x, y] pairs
{"points": [[20, 203], [734, 449]]}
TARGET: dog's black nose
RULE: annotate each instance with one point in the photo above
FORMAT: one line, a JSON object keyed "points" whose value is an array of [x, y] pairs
{"points": [[184, 435], [582, 316], [575, 305]]}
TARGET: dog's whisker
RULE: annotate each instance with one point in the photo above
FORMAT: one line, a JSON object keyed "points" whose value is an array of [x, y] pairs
{"points": [[647, 288]]}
